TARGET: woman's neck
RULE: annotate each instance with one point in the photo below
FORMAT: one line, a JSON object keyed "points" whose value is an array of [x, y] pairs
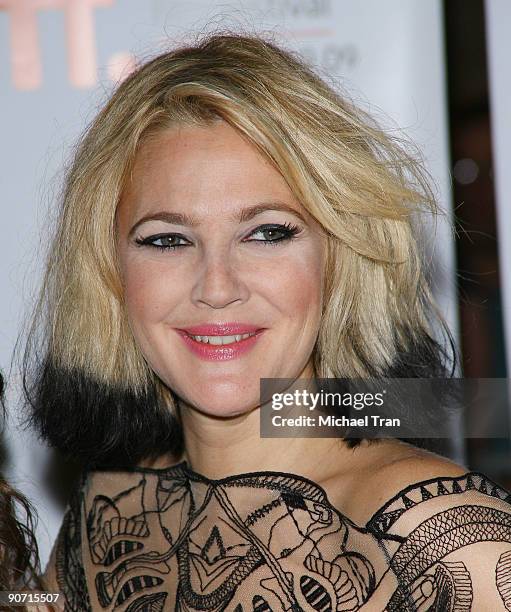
{"points": [[219, 447]]}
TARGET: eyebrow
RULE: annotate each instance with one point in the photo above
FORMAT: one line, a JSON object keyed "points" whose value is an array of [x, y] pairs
{"points": [[245, 214]]}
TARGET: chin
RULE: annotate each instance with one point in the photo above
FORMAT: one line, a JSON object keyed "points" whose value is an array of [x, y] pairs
{"points": [[225, 405], [227, 412]]}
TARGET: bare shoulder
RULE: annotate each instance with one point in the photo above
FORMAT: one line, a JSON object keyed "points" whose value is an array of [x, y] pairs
{"points": [[409, 466], [385, 470]]}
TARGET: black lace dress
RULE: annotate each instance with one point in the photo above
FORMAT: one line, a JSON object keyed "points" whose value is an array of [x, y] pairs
{"points": [[170, 539]]}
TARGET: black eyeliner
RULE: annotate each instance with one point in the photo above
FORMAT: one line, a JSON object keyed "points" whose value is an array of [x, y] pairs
{"points": [[288, 230], [148, 241]]}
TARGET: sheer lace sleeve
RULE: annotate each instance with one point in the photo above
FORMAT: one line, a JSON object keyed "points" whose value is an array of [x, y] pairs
{"points": [[65, 570], [448, 546]]}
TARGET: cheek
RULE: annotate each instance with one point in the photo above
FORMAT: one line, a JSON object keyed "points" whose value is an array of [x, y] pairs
{"points": [[148, 292], [295, 284]]}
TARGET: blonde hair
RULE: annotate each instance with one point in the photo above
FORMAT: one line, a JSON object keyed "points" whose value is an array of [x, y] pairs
{"points": [[359, 183]]}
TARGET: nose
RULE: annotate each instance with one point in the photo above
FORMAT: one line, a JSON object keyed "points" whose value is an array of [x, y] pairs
{"points": [[218, 282]]}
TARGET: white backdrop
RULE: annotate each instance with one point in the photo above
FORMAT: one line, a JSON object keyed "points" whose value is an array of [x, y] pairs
{"points": [[57, 65]]}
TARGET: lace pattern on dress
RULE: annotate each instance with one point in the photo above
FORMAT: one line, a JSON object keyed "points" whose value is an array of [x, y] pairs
{"points": [[154, 540]]}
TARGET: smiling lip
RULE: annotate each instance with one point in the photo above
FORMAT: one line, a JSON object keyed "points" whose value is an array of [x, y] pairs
{"points": [[215, 352], [221, 329]]}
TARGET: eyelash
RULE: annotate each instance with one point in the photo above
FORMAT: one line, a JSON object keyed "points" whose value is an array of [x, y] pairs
{"points": [[288, 230]]}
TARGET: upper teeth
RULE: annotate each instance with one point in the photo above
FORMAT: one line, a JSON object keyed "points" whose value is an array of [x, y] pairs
{"points": [[222, 339]]}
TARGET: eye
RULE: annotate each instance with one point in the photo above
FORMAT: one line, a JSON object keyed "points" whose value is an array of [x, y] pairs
{"points": [[273, 233], [165, 242]]}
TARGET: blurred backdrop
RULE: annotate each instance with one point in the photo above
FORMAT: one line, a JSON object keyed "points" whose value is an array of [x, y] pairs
{"points": [[421, 68]]}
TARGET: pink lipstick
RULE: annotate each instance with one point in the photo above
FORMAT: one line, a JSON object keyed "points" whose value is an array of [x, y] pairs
{"points": [[220, 341]]}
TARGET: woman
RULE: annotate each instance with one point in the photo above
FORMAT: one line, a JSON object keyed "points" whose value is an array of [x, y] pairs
{"points": [[228, 218]]}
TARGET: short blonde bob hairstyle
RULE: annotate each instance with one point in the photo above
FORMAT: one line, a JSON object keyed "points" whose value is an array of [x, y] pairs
{"points": [[359, 183]]}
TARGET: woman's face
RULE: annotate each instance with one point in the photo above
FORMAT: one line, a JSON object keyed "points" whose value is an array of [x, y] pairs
{"points": [[213, 246]]}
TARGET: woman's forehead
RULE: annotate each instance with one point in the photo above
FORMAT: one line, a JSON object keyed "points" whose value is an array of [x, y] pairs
{"points": [[203, 169], [207, 149]]}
